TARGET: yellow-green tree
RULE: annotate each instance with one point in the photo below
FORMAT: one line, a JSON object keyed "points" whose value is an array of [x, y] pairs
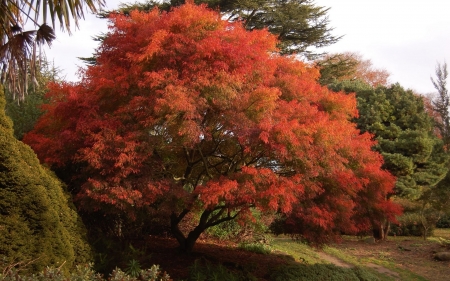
{"points": [[38, 223]]}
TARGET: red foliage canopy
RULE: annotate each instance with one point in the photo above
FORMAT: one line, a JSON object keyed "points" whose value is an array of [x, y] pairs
{"points": [[186, 108]]}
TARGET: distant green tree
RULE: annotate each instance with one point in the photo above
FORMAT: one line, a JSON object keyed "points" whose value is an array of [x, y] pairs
{"points": [[439, 198], [350, 66], [24, 114], [399, 122], [299, 24], [405, 134], [38, 223], [441, 103]]}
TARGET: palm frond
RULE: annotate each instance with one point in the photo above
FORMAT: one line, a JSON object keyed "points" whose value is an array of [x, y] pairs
{"points": [[62, 11], [19, 49], [45, 35], [16, 55]]}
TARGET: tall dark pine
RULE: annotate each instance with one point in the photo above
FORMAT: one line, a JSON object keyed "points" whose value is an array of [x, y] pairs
{"points": [[299, 24]]}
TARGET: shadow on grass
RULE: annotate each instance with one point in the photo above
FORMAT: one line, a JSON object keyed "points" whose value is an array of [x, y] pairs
{"points": [[224, 261]]}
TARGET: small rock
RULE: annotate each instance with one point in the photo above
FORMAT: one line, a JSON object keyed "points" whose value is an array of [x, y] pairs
{"points": [[442, 256]]}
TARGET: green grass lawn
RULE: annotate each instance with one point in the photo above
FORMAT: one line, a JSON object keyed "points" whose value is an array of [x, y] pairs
{"points": [[302, 253], [442, 232], [299, 251]]}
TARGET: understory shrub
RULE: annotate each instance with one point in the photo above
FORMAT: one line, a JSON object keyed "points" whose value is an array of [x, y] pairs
{"points": [[110, 253], [321, 272], [86, 273], [409, 224], [257, 231], [443, 222], [203, 270]]}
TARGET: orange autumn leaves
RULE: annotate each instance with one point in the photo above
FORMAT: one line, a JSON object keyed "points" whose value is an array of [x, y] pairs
{"points": [[185, 106]]}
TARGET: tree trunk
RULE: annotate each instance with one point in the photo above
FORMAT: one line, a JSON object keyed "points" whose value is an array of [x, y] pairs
{"points": [[425, 233], [176, 232], [377, 232], [381, 231], [386, 229], [191, 239], [186, 244]]}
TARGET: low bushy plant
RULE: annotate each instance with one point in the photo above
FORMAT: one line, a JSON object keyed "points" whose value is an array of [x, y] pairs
{"points": [[444, 242], [258, 248], [110, 252], [257, 231], [133, 268], [203, 270], [409, 224], [84, 273], [321, 272], [443, 222]]}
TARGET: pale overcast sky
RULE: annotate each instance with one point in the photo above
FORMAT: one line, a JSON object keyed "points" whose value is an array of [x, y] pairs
{"points": [[405, 37]]}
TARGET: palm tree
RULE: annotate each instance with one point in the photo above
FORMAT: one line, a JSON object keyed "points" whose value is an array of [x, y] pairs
{"points": [[19, 48]]}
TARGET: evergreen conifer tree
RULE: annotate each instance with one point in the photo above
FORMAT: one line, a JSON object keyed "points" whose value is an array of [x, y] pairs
{"points": [[38, 223]]}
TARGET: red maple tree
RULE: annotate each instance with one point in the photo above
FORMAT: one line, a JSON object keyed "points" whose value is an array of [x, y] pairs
{"points": [[187, 110]]}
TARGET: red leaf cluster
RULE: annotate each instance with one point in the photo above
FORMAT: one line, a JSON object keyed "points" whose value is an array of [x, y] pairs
{"points": [[185, 107]]}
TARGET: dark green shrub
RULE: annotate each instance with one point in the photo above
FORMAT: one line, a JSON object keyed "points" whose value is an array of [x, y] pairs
{"points": [[228, 230], [257, 231], [443, 222], [133, 268], [409, 224], [38, 222], [320, 272]]}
